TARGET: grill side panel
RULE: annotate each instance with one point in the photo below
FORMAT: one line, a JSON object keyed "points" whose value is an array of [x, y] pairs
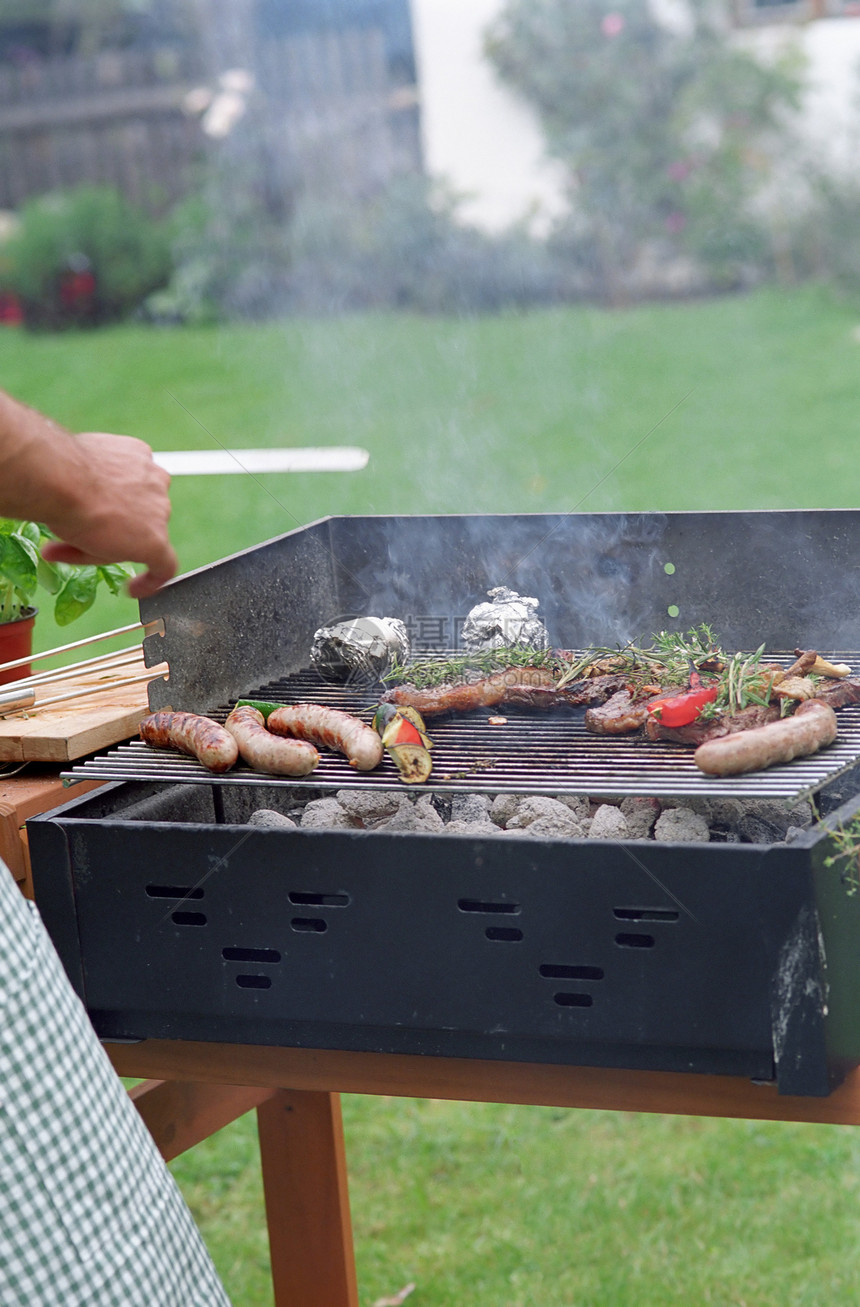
{"points": [[587, 953]]}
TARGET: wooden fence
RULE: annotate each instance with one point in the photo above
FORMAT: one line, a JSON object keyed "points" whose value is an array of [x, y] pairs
{"points": [[324, 114]]}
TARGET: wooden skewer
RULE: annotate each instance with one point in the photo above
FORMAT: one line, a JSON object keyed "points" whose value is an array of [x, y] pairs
{"points": [[65, 648]]}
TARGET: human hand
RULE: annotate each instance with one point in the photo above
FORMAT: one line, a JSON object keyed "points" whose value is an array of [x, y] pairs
{"points": [[118, 511]]}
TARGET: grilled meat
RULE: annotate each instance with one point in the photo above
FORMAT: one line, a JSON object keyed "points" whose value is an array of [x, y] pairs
{"points": [[713, 728], [812, 727], [618, 716]]}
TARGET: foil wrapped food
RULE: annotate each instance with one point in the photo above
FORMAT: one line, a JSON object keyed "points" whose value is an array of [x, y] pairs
{"points": [[508, 620], [359, 649]]}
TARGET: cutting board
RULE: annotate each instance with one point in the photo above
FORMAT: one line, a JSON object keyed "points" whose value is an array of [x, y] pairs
{"points": [[63, 732]]}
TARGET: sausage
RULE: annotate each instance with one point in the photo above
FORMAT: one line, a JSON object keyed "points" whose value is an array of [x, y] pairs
{"points": [[332, 728], [198, 736], [266, 752], [811, 727]]}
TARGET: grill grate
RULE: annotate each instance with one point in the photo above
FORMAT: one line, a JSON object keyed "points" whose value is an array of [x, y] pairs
{"points": [[533, 753]]}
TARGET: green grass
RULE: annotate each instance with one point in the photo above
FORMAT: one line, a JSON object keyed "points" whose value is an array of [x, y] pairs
{"points": [[739, 403]]}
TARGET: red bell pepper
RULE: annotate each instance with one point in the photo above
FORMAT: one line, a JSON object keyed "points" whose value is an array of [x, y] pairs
{"points": [[682, 709]]}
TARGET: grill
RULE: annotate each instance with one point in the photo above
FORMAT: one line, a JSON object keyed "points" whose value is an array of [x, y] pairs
{"points": [[532, 753], [176, 919]]}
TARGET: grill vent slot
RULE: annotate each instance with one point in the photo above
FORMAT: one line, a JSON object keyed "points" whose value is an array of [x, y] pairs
{"points": [[312, 899], [309, 925], [254, 982], [565, 971], [174, 892], [626, 939], [480, 905], [646, 914], [504, 934], [251, 955], [565, 999], [189, 918]]}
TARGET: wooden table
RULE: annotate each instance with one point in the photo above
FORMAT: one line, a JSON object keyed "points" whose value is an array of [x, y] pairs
{"points": [[190, 1090], [301, 1131]]}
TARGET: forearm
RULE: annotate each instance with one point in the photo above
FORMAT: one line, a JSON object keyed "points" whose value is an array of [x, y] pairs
{"points": [[42, 469], [102, 495]]}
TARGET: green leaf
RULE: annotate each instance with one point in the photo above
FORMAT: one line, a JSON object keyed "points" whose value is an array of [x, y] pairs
{"points": [[19, 562], [77, 595], [115, 575]]}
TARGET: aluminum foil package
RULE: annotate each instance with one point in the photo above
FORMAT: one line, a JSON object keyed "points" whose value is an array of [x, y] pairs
{"points": [[507, 620], [359, 649]]}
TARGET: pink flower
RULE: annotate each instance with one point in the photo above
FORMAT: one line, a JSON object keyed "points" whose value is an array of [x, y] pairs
{"points": [[675, 222], [612, 25], [679, 170]]}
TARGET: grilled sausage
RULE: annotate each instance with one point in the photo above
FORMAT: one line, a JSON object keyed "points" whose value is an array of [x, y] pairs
{"points": [[811, 727], [189, 733], [266, 752], [331, 727]]}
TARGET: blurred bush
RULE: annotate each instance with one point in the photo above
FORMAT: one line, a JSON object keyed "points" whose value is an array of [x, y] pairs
{"points": [[402, 247], [83, 257]]}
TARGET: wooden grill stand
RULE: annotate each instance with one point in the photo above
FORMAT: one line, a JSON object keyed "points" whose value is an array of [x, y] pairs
{"points": [[191, 1090]]}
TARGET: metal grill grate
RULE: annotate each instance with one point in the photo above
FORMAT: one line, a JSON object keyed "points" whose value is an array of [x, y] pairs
{"points": [[532, 753]]}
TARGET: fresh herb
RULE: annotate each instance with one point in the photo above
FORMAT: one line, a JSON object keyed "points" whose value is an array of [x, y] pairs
{"points": [[846, 838], [23, 572], [428, 672]]}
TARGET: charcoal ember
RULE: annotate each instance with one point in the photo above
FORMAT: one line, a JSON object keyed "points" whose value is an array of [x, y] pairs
{"points": [[680, 826], [508, 620], [326, 814], [553, 826], [369, 807], [767, 822], [470, 807], [471, 829], [542, 816], [609, 823], [535, 806], [269, 817], [640, 815], [503, 808], [414, 817], [360, 650]]}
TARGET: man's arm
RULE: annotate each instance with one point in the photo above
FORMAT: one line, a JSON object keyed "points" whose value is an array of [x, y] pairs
{"points": [[102, 495]]}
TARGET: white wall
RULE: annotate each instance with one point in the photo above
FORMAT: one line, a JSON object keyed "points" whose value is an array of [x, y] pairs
{"points": [[485, 143]]}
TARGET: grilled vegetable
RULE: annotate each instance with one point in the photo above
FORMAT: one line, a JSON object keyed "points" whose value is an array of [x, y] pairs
{"points": [[406, 741]]}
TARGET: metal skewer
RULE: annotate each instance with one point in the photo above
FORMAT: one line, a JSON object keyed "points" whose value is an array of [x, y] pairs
{"points": [[65, 648]]}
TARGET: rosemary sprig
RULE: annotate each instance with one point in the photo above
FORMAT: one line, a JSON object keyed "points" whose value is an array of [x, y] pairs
{"points": [[428, 672]]}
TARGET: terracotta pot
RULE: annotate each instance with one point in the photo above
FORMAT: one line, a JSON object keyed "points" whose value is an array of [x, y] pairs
{"points": [[16, 641]]}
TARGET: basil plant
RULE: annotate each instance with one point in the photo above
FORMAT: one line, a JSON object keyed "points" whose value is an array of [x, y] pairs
{"points": [[23, 573]]}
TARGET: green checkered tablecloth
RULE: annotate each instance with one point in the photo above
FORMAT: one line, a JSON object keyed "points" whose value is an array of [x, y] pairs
{"points": [[89, 1213]]}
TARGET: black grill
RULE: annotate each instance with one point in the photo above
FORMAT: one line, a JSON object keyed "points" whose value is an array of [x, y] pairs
{"points": [[176, 918]]}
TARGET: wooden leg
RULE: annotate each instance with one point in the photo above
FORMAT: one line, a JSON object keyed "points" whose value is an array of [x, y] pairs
{"points": [[307, 1203], [179, 1114]]}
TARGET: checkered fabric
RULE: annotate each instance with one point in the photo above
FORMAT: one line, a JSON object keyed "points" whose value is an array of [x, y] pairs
{"points": [[89, 1214]]}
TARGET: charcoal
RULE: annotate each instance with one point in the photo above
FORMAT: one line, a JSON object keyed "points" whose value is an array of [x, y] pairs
{"points": [[681, 825], [324, 814], [609, 823], [268, 817], [470, 807]]}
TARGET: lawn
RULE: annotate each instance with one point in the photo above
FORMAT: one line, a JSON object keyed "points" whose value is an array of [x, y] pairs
{"points": [[737, 403], [741, 402]]}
